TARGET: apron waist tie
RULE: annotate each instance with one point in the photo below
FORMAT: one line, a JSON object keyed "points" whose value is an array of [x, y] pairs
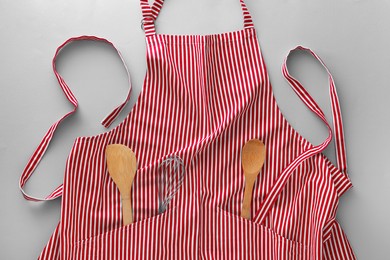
{"points": [[281, 181], [41, 149]]}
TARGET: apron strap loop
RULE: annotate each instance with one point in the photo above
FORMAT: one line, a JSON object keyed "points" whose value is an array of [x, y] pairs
{"points": [[281, 181], [40, 150]]}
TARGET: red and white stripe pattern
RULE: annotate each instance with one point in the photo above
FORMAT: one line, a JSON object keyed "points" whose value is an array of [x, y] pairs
{"points": [[203, 97]]}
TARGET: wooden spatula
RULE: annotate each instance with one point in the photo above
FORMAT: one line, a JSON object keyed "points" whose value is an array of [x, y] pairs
{"points": [[122, 166], [252, 159]]}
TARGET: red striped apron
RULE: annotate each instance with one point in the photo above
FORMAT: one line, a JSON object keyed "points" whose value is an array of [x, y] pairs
{"points": [[203, 97]]}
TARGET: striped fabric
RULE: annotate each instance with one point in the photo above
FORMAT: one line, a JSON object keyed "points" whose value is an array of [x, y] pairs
{"points": [[203, 97]]}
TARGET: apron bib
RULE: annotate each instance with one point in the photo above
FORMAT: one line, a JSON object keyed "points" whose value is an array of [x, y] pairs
{"points": [[203, 97]]}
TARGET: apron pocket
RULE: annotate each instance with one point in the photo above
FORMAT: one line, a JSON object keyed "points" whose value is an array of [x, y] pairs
{"points": [[145, 239], [227, 236]]}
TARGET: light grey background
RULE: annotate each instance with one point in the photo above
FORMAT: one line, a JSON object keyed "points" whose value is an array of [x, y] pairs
{"points": [[352, 36]]}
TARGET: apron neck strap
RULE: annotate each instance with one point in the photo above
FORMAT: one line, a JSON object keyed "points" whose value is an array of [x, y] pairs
{"points": [[338, 132], [41, 149], [248, 22], [150, 14]]}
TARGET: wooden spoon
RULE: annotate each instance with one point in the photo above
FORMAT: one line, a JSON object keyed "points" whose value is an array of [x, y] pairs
{"points": [[252, 159], [122, 165]]}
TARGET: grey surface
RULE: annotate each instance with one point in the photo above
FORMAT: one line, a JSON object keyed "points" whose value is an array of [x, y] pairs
{"points": [[352, 36]]}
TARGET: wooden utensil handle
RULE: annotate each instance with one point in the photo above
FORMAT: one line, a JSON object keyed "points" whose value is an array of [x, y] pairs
{"points": [[247, 203], [127, 211]]}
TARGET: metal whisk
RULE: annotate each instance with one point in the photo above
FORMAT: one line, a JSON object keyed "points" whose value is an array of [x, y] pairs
{"points": [[169, 179]]}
